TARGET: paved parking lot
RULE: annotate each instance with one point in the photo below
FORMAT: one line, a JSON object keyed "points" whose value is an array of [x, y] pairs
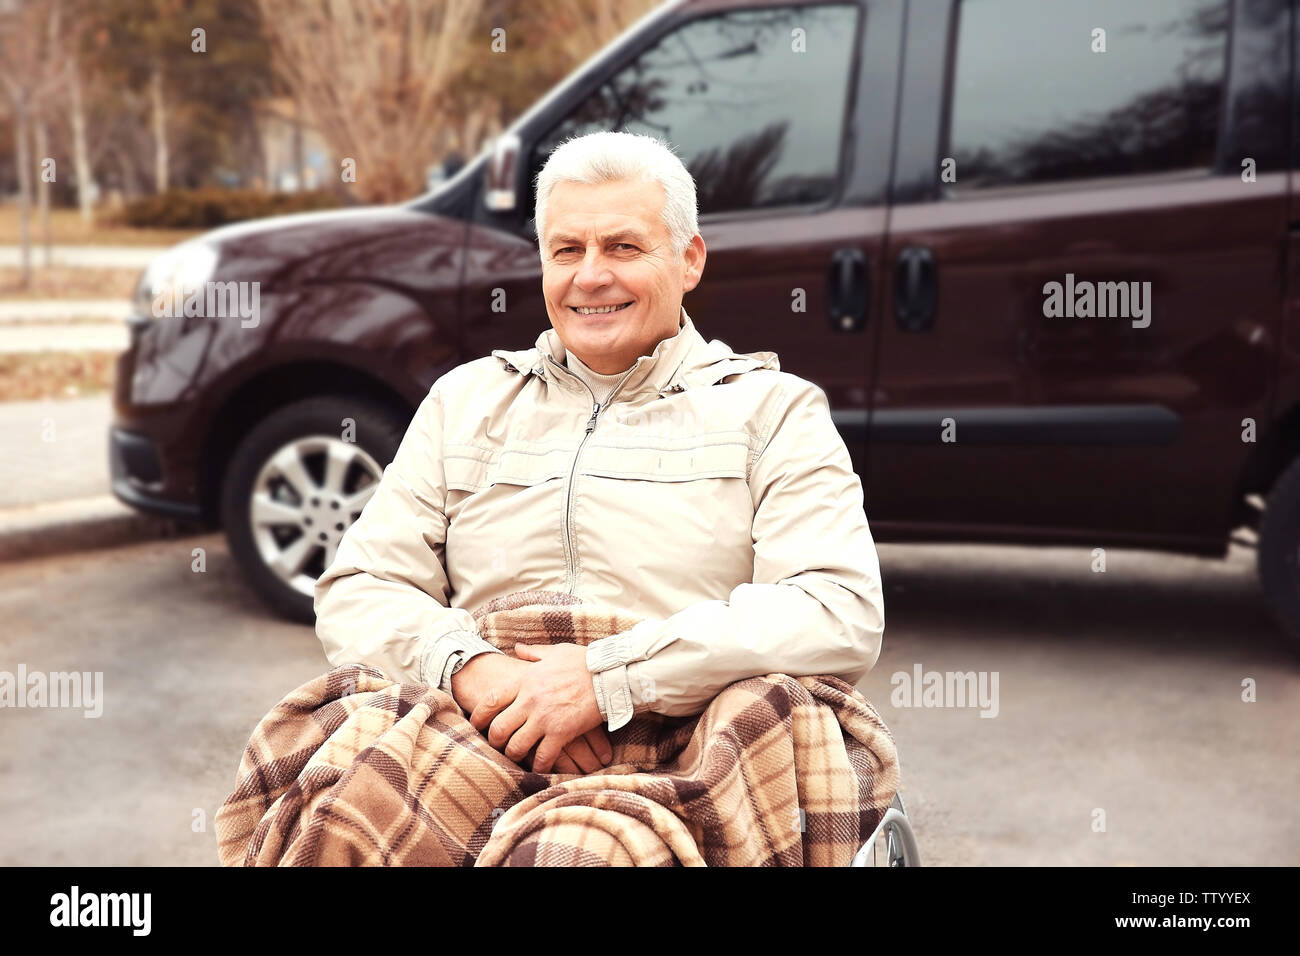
{"points": [[1120, 734]]}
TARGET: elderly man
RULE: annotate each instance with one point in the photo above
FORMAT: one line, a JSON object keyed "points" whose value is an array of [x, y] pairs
{"points": [[626, 461]]}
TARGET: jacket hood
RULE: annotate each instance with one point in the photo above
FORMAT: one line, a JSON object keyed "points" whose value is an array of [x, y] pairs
{"points": [[678, 362]]}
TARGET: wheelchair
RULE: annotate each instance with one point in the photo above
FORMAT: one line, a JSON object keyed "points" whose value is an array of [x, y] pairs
{"points": [[894, 832]]}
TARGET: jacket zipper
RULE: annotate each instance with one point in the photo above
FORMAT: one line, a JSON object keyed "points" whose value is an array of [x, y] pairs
{"points": [[569, 564]]}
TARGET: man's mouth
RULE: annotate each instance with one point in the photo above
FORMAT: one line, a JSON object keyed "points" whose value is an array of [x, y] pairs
{"points": [[599, 309]]}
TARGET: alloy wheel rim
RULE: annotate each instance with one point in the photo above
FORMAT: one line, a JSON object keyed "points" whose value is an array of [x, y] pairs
{"points": [[304, 498]]}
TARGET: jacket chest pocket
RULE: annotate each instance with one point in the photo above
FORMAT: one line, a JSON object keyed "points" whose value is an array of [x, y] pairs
{"points": [[473, 468], [717, 455]]}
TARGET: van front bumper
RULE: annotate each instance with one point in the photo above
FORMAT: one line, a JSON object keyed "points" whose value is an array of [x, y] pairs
{"points": [[136, 476]]}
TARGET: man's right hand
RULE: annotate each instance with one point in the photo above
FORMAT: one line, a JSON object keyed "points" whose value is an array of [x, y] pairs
{"points": [[489, 683], [486, 674]]}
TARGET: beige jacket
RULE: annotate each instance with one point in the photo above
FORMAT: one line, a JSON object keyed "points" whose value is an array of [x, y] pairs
{"points": [[711, 494]]}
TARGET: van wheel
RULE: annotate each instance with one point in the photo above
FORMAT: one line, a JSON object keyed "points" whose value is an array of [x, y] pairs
{"points": [[1279, 551], [294, 486]]}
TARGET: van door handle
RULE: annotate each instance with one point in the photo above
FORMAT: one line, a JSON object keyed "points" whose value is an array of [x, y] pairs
{"points": [[847, 286], [916, 289]]}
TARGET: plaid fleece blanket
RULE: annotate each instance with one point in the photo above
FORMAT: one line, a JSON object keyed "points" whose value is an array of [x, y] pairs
{"points": [[353, 768]]}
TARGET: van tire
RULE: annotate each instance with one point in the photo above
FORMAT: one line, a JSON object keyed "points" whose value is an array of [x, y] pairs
{"points": [[301, 426], [1278, 556]]}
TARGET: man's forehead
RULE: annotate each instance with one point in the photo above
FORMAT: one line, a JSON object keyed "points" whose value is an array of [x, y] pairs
{"points": [[583, 211]]}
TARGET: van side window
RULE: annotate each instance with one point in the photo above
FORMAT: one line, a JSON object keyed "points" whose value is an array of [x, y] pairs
{"points": [[753, 101], [1039, 93]]}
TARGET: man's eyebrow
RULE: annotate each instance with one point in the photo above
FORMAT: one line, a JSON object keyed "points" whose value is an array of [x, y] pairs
{"points": [[609, 237]]}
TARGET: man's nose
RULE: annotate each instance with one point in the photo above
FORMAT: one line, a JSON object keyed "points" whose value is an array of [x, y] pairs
{"points": [[593, 272]]}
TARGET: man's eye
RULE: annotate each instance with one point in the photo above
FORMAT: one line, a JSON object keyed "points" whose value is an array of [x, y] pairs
{"points": [[626, 245]]}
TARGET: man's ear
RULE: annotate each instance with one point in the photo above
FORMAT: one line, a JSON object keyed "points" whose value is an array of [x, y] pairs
{"points": [[693, 262]]}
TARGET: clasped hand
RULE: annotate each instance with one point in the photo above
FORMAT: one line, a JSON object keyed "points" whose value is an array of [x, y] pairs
{"points": [[543, 697]]}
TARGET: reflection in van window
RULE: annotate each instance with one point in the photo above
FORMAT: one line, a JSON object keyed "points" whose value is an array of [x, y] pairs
{"points": [[753, 101], [1057, 91]]}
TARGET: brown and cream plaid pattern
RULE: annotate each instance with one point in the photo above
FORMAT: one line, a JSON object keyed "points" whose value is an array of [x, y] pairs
{"points": [[353, 768]]}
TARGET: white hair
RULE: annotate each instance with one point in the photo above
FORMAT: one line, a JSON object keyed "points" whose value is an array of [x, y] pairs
{"points": [[607, 157]]}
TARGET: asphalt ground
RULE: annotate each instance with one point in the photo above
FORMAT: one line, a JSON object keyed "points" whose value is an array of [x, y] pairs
{"points": [[1117, 736]]}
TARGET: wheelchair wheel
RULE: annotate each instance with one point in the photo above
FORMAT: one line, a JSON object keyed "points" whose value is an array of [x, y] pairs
{"points": [[893, 843]]}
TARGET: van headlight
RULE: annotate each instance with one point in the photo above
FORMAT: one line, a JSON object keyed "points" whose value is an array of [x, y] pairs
{"points": [[175, 274]]}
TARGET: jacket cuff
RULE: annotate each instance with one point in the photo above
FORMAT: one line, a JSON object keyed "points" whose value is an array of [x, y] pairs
{"points": [[609, 652], [448, 653], [613, 696], [621, 692]]}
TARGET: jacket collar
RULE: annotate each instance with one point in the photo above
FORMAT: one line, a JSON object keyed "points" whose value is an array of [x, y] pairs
{"points": [[676, 363]]}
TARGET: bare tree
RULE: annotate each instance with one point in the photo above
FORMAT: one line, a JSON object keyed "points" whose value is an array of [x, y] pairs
{"points": [[580, 27], [80, 155], [372, 77], [159, 113], [545, 40], [163, 110], [31, 73], [43, 187]]}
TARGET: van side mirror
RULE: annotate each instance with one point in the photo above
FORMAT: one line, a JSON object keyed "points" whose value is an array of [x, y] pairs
{"points": [[499, 193]]}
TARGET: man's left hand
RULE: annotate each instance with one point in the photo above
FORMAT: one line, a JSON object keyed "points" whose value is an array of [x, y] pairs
{"points": [[556, 702]]}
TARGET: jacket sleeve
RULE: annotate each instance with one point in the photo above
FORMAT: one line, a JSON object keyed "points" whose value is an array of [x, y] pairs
{"points": [[815, 606], [384, 599]]}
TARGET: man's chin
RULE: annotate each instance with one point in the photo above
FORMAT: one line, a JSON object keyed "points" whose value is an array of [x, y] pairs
{"points": [[593, 337]]}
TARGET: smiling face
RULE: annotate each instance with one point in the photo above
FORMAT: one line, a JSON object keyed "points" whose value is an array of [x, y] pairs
{"points": [[606, 246]]}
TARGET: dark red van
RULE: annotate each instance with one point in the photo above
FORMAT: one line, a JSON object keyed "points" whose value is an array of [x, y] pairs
{"points": [[1039, 256]]}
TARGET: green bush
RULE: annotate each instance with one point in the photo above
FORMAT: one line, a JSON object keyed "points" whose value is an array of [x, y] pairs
{"points": [[205, 208]]}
